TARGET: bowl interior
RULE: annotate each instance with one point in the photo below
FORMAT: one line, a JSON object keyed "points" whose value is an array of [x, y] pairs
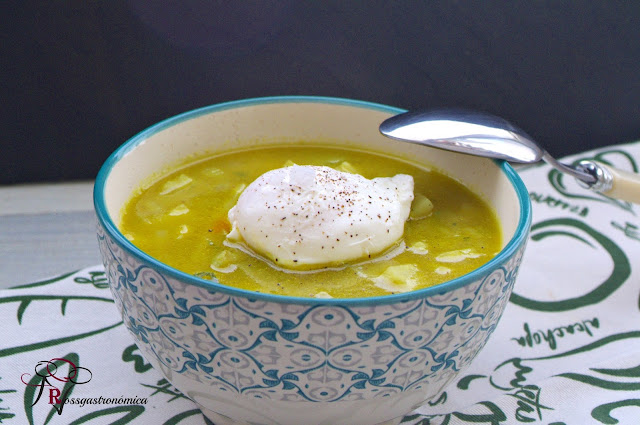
{"points": [[244, 124]]}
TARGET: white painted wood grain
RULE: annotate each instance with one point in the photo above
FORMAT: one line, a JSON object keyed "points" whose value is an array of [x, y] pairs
{"points": [[46, 198], [46, 230]]}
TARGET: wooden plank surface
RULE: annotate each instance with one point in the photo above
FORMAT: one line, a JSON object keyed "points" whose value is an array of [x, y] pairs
{"points": [[45, 230]]}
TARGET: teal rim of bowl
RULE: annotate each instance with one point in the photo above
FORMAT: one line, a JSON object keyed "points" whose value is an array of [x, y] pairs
{"points": [[518, 239]]}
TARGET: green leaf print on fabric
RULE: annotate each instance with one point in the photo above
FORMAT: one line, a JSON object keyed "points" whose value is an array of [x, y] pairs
{"points": [[521, 365], [529, 408], [139, 364], [164, 387], [463, 384], [33, 306], [582, 233], [602, 383], [130, 413], [53, 342], [96, 278], [440, 400], [410, 418], [493, 415], [631, 372], [602, 413], [181, 416], [44, 282], [5, 412], [630, 230], [25, 300]]}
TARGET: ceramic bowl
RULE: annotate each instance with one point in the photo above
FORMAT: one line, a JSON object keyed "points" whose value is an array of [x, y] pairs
{"points": [[250, 358]]}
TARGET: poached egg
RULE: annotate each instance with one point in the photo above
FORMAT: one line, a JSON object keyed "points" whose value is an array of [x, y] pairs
{"points": [[305, 217]]}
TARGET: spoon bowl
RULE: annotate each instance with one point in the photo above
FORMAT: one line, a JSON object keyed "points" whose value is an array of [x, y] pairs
{"points": [[481, 134], [462, 131]]}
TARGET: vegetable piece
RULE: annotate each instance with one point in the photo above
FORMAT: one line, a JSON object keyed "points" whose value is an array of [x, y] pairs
{"points": [[179, 210], [443, 270], [419, 248], [183, 230], [238, 190], [457, 255], [398, 278], [222, 225], [347, 167], [206, 276], [235, 194], [214, 171], [175, 184], [421, 207], [224, 262]]}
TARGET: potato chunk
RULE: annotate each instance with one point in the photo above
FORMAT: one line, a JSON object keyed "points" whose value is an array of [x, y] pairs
{"points": [[179, 210], [457, 255], [421, 207], [398, 278], [224, 262], [347, 167], [175, 184]]}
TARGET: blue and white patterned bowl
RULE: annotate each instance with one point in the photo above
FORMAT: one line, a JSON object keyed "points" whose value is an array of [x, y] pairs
{"points": [[251, 358]]}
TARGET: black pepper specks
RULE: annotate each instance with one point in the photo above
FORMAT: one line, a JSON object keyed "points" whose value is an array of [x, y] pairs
{"points": [[291, 214]]}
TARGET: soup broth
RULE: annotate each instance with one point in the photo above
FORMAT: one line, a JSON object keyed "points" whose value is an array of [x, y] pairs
{"points": [[181, 220]]}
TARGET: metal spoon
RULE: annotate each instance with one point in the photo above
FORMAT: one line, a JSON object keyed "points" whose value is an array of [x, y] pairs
{"points": [[481, 134]]}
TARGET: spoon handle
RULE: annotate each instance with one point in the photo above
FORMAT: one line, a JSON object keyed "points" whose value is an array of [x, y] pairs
{"points": [[615, 183]]}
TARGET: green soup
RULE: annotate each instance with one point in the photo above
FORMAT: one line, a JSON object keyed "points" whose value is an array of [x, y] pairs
{"points": [[181, 219]]}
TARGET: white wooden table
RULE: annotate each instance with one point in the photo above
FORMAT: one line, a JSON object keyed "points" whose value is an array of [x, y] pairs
{"points": [[46, 230]]}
